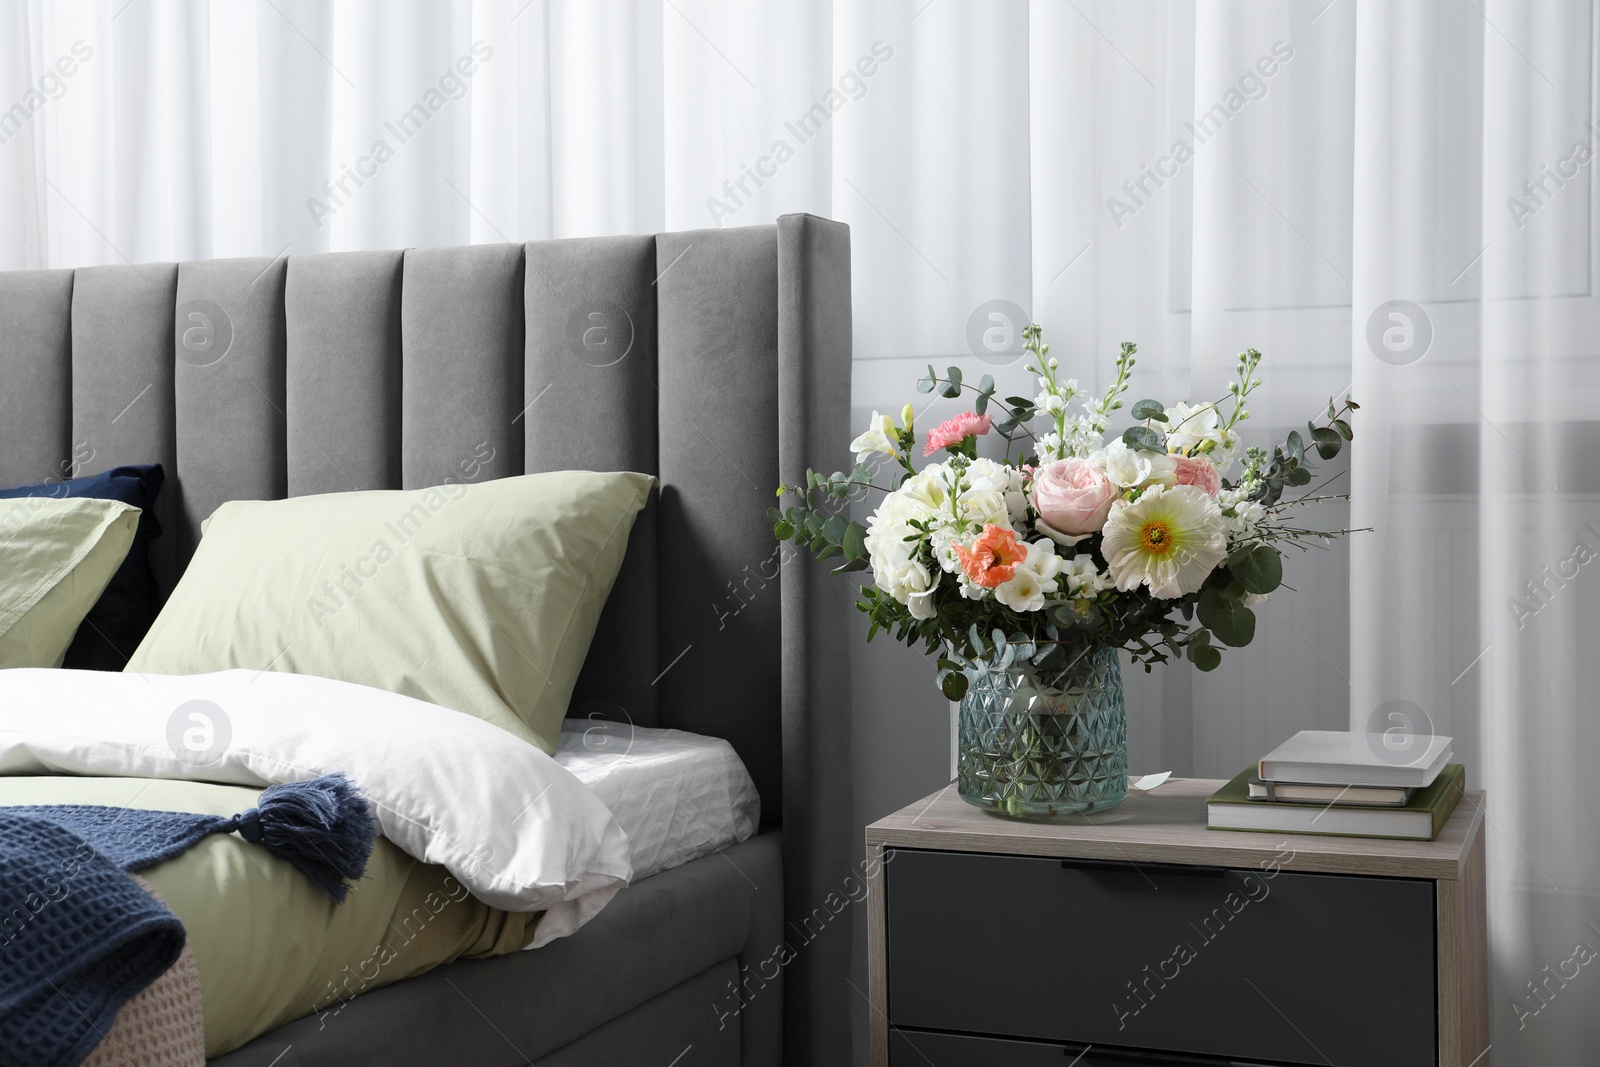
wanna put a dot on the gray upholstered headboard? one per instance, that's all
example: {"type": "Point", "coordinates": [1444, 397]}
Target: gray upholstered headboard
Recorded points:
{"type": "Point", "coordinates": [718, 360]}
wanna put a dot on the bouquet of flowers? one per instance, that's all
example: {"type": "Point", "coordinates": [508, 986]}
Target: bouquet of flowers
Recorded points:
{"type": "Point", "coordinates": [1161, 540]}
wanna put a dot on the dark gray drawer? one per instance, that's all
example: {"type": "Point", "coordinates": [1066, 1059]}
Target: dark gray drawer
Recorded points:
{"type": "Point", "coordinates": [1296, 968]}
{"type": "Point", "coordinates": [917, 1048]}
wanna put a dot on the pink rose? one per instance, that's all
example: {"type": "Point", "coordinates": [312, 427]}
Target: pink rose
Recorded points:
{"type": "Point", "coordinates": [1198, 472]}
{"type": "Point", "coordinates": [954, 431]}
{"type": "Point", "coordinates": [1073, 496]}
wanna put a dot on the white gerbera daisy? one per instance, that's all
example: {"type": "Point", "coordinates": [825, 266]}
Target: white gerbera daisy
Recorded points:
{"type": "Point", "coordinates": [1170, 539]}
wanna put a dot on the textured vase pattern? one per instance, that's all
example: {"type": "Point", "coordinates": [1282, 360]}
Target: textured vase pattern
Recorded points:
{"type": "Point", "coordinates": [1036, 743]}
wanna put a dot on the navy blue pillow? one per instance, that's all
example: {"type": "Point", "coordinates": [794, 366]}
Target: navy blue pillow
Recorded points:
{"type": "Point", "coordinates": [119, 619]}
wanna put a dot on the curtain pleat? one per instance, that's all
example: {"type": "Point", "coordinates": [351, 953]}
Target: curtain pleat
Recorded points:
{"type": "Point", "coordinates": [1392, 199]}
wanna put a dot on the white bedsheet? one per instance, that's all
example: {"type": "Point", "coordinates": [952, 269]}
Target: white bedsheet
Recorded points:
{"type": "Point", "coordinates": [677, 795]}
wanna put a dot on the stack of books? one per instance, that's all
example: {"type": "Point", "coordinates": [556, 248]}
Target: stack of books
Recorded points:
{"type": "Point", "coordinates": [1344, 785]}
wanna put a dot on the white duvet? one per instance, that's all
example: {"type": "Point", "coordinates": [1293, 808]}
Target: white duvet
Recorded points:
{"type": "Point", "coordinates": [518, 830]}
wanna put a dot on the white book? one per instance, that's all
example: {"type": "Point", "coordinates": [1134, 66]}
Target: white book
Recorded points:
{"type": "Point", "coordinates": [1339, 757]}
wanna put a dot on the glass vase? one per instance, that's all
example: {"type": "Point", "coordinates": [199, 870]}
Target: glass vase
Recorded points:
{"type": "Point", "coordinates": [1043, 742]}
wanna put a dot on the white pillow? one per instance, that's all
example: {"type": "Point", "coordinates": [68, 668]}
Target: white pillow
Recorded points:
{"type": "Point", "coordinates": [518, 830]}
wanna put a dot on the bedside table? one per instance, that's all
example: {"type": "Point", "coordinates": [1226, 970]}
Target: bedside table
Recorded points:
{"type": "Point", "coordinates": [1135, 936]}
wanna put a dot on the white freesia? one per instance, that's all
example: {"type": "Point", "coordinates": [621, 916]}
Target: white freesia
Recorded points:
{"type": "Point", "coordinates": [877, 438]}
{"type": "Point", "coordinates": [1170, 540]}
{"type": "Point", "coordinates": [1130, 468]}
{"type": "Point", "coordinates": [1024, 592]}
{"type": "Point", "coordinates": [1043, 562]}
{"type": "Point", "coordinates": [1190, 426]}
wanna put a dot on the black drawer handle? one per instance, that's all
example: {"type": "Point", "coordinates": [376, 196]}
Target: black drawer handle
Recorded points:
{"type": "Point", "coordinates": [1129, 867]}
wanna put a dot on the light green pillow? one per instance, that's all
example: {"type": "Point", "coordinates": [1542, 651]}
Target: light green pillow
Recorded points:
{"type": "Point", "coordinates": [482, 598]}
{"type": "Point", "coordinates": [56, 556]}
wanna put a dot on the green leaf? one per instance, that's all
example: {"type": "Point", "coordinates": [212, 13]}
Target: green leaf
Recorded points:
{"type": "Point", "coordinates": [1227, 618]}
{"type": "Point", "coordinates": [855, 542]}
{"type": "Point", "coordinates": [1207, 658]}
{"type": "Point", "coordinates": [1327, 441]}
{"type": "Point", "coordinates": [774, 514]}
{"type": "Point", "coordinates": [986, 384]}
{"type": "Point", "coordinates": [954, 685]}
{"type": "Point", "coordinates": [834, 529]}
{"type": "Point", "coordinates": [1298, 476]}
{"type": "Point", "coordinates": [782, 530]}
{"type": "Point", "coordinates": [1259, 568]}
{"type": "Point", "coordinates": [1142, 438]}
{"type": "Point", "coordinates": [1344, 429]}
{"type": "Point", "coordinates": [853, 565]}
{"type": "Point", "coordinates": [952, 387]}
{"type": "Point", "coordinates": [1149, 409]}
{"type": "Point", "coordinates": [1293, 447]}
{"type": "Point", "coordinates": [827, 552]}
{"type": "Point", "coordinates": [1019, 402]}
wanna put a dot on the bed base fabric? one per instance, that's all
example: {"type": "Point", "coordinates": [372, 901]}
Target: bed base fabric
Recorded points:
{"type": "Point", "coordinates": [668, 354]}
{"type": "Point", "coordinates": [673, 947]}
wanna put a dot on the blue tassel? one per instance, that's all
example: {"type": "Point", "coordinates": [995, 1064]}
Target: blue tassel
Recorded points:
{"type": "Point", "coordinates": [322, 827]}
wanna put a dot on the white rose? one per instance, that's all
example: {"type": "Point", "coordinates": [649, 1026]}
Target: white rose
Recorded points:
{"type": "Point", "coordinates": [987, 474]}
{"type": "Point", "coordinates": [1016, 505]}
{"type": "Point", "coordinates": [985, 506]}
{"type": "Point", "coordinates": [927, 488]}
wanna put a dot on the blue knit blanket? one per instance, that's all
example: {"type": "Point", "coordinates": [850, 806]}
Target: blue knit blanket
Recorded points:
{"type": "Point", "coordinates": [79, 937]}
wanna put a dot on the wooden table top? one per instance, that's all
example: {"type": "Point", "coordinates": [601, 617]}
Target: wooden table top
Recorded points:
{"type": "Point", "coordinates": [1168, 825]}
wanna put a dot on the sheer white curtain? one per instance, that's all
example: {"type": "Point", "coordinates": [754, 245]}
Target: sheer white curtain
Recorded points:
{"type": "Point", "coordinates": [1393, 198]}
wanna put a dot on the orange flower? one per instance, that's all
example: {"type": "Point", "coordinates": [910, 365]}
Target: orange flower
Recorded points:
{"type": "Point", "coordinates": [993, 558]}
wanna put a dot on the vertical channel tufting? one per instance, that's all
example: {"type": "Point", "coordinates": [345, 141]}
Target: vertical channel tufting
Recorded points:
{"type": "Point", "coordinates": [228, 385]}
{"type": "Point", "coordinates": [36, 365]}
{"type": "Point", "coordinates": [719, 619]}
{"type": "Point", "coordinates": [462, 353]}
{"type": "Point", "coordinates": [342, 392]}
{"type": "Point", "coordinates": [122, 386]}
{"type": "Point", "coordinates": [590, 404]}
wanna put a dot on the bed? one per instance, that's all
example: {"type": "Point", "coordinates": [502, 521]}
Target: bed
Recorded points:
{"type": "Point", "coordinates": [674, 355]}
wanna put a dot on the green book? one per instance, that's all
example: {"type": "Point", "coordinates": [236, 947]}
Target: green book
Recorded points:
{"type": "Point", "coordinates": [1230, 808]}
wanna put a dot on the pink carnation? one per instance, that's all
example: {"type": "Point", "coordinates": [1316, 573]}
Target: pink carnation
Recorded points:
{"type": "Point", "coordinates": [1198, 472]}
{"type": "Point", "coordinates": [954, 431]}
